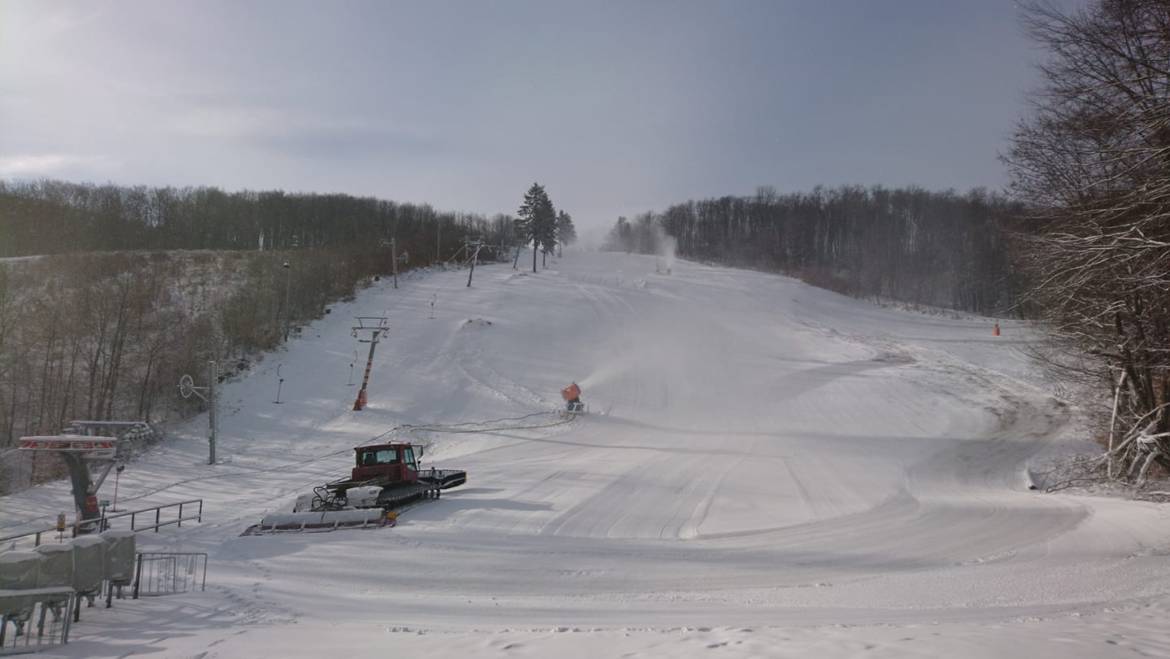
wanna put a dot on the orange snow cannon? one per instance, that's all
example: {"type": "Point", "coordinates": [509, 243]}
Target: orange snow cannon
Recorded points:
{"type": "Point", "coordinates": [571, 392]}
{"type": "Point", "coordinates": [572, 396]}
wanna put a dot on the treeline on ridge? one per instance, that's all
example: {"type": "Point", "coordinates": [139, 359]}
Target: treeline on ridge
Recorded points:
{"type": "Point", "coordinates": [930, 248]}
{"type": "Point", "coordinates": [54, 217]}
{"type": "Point", "coordinates": [126, 289]}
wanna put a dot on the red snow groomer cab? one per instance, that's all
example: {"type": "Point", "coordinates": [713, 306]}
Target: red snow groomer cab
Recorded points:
{"type": "Point", "coordinates": [394, 463]}
{"type": "Point", "coordinates": [393, 468]}
{"type": "Point", "coordinates": [384, 477]}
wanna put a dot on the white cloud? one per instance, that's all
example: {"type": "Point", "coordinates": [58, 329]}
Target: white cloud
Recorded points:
{"type": "Point", "coordinates": [46, 164]}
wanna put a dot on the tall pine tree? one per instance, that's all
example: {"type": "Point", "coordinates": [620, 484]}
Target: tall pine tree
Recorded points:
{"type": "Point", "coordinates": [548, 236]}
{"type": "Point", "coordinates": [566, 233]}
{"type": "Point", "coordinates": [537, 221]}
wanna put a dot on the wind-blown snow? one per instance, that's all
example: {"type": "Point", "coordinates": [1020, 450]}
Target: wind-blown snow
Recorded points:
{"type": "Point", "coordinates": [768, 470]}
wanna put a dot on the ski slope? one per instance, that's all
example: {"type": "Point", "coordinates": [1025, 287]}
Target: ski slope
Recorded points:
{"type": "Point", "coordinates": [768, 469]}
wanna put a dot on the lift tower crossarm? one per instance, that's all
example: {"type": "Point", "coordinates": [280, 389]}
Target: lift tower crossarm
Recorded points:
{"type": "Point", "coordinates": [80, 453]}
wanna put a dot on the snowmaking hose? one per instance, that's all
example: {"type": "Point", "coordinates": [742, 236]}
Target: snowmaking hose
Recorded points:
{"type": "Point", "coordinates": [478, 426]}
{"type": "Point", "coordinates": [445, 428]}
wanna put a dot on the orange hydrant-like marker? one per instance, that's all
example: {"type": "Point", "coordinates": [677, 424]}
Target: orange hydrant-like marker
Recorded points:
{"type": "Point", "coordinates": [995, 332]}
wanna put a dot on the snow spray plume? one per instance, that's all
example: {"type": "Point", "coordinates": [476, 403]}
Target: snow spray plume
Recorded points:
{"type": "Point", "coordinates": [666, 245]}
{"type": "Point", "coordinates": [602, 375]}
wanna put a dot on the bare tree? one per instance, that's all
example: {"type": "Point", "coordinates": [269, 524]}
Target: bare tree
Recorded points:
{"type": "Point", "coordinates": [1093, 161]}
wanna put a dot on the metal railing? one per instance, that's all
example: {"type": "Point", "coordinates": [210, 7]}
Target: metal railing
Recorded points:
{"type": "Point", "coordinates": [35, 620]}
{"type": "Point", "coordinates": [157, 510]}
{"type": "Point", "coordinates": [166, 573]}
{"type": "Point", "coordinates": [104, 523]}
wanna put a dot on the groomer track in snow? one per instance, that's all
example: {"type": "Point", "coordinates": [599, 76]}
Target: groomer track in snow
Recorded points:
{"type": "Point", "coordinates": [762, 459]}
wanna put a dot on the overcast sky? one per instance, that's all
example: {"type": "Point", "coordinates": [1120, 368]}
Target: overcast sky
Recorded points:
{"type": "Point", "coordinates": [617, 107]}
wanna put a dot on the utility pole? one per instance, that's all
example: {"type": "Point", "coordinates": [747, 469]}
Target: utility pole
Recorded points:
{"type": "Point", "coordinates": [376, 326]}
{"type": "Point", "coordinates": [474, 257]}
{"type": "Point", "coordinates": [438, 240]}
{"type": "Point", "coordinates": [394, 258]}
{"type": "Point", "coordinates": [187, 387]}
{"type": "Point", "coordinates": [117, 475]}
{"type": "Point", "coordinates": [212, 376]}
{"type": "Point", "coordinates": [287, 289]}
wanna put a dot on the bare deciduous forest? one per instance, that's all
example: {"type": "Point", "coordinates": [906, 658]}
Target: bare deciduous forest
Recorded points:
{"type": "Point", "coordinates": [939, 249]}
{"type": "Point", "coordinates": [1091, 164]}
{"type": "Point", "coordinates": [87, 332]}
{"type": "Point", "coordinates": [55, 217]}
{"type": "Point", "coordinates": [1082, 242]}
{"type": "Point", "coordinates": [94, 325]}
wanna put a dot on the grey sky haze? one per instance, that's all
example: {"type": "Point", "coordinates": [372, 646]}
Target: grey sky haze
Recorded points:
{"type": "Point", "coordinates": [617, 107]}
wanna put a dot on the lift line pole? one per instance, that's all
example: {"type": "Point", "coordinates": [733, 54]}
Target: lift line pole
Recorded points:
{"type": "Point", "coordinates": [394, 259]}
{"type": "Point", "coordinates": [212, 376]}
{"type": "Point", "coordinates": [376, 326]}
{"type": "Point", "coordinates": [474, 257]}
{"type": "Point", "coordinates": [207, 394]}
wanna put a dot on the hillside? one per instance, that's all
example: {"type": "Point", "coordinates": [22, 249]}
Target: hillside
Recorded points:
{"type": "Point", "coordinates": [768, 469]}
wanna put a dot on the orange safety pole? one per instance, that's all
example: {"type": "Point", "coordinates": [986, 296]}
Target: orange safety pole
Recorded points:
{"type": "Point", "coordinates": [360, 403]}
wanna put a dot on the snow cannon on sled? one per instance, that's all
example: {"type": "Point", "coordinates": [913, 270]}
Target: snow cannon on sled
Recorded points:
{"type": "Point", "coordinates": [572, 396]}
{"type": "Point", "coordinates": [384, 477]}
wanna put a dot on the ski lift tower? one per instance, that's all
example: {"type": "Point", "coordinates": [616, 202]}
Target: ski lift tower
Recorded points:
{"type": "Point", "coordinates": [89, 460]}
{"type": "Point", "coordinates": [187, 388]}
{"type": "Point", "coordinates": [472, 247]}
{"type": "Point", "coordinates": [376, 326]}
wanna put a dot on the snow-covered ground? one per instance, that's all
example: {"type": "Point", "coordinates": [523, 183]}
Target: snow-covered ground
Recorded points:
{"type": "Point", "coordinates": [768, 470]}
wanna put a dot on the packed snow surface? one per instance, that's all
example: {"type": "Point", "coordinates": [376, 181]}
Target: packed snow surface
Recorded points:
{"type": "Point", "coordinates": [766, 469]}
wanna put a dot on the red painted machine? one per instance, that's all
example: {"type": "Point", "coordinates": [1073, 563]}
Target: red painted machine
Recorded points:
{"type": "Point", "coordinates": [384, 477]}
{"type": "Point", "coordinates": [572, 396]}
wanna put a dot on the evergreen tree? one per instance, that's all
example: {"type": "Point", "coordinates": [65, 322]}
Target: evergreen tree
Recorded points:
{"type": "Point", "coordinates": [566, 233]}
{"type": "Point", "coordinates": [537, 221]}
{"type": "Point", "coordinates": [548, 235]}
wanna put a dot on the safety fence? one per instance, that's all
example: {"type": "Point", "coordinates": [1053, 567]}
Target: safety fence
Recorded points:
{"type": "Point", "coordinates": [167, 573]}
{"type": "Point", "coordinates": [35, 620]}
{"type": "Point", "coordinates": [159, 522]}
{"type": "Point", "coordinates": [145, 519]}
{"type": "Point", "coordinates": [42, 590]}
